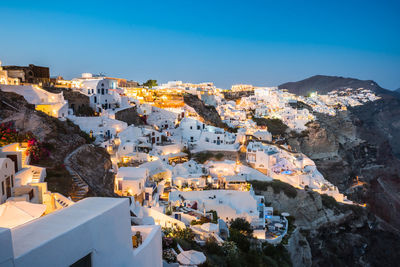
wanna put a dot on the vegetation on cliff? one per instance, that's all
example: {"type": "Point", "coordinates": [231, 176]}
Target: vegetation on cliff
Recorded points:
{"type": "Point", "coordinates": [275, 126]}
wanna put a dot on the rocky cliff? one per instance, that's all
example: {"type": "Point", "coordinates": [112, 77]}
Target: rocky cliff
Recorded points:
{"type": "Point", "coordinates": [237, 95]}
{"type": "Point", "coordinates": [208, 113]}
{"type": "Point", "coordinates": [359, 143]}
{"type": "Point", "coordinates": [331, 234]}
{"type": "Point", "coordinates": [130, 116]}
{"type": "Point", "coordinates": [93, 165]}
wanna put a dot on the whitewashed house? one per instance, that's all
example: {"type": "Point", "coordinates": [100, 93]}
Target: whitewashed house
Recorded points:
{"type": "Point", "coordinates": [50, 103]}
{"type": "Point", "coordinates": [261, 156]}
{"type": "Point", "coordinates": [131, 181]}
{"type": "Point", "coordinates": [94, 232]}
{"type": "Point", "coordinates": [7, 179]}
{"type": "Point", "coordinates": [100, 127]}
{"type": "Point", "coordinates": [263, 135]}
{"type": "Point", "coordinates": [102, 92]}
{"type": "Point", "coordinates": [189, 174]}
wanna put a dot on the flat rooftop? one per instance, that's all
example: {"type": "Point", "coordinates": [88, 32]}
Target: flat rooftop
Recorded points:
{"type": "Point", "coordinates": [28, 236]}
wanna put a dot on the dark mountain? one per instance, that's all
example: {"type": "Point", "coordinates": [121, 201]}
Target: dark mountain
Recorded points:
{"type": "Point", "coordinates": [397, 90]}
{"type": "Point", "coordinates": [324, 84]}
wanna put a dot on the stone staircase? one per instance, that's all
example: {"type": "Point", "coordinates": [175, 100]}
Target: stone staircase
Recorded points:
{"type": "Point", "coordinates": [62, 203]}
{"type": "Point", "coordinates": [36, 177]}
{"type": "Point", "coordinates": [24, 156]}
{"type": "Point", "coordinates": [79, 188]}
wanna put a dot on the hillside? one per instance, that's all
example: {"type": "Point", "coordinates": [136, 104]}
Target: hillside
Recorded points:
{"type": "Point", "coordinates": [324, 84]}
{"type": "Point", "coordinates": [208, 113]}
{"type": "Point", "coordinates": [60, 138]}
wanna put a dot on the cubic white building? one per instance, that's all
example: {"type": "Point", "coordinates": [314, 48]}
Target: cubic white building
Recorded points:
{"type": "Point", "coordinates": [94, 232]}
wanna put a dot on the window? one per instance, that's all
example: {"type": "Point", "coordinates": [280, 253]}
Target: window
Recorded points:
{"type": "Point", "coordinates": [140, 185]}
{"type": "Point", "coordinates": [98, 91]}
{"type": "Point", "coordinates": [95, 99]}
{"type": "Point", "coordinates": [191, 127]}
{"type": "Point", "coordinates": [12, 180]}
{"type": "Point", "coordinates": [83, 262]}
{"type": "Point", "coordinates": [2, 188]}
{"type": "Point", "coordinates": [88, 91]}
{"type": "Point", "coordinates": [198, 127]}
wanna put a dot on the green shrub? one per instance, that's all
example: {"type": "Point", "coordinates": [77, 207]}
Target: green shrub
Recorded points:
{"type": "Point", "coordinates": [329, 202]}
{"type": "Point", "coordinates": [203, 156]}
{"type": "Point", "coordinates": [241, 225]}
{"type": "Point", "coordinates": [275, 126]}
{"type": "Point", "coordinates": [219, 156]}
{"type": "Point", "coordinates": [241, 241]}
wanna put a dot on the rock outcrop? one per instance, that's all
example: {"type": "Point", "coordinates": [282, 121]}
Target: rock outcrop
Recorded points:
{"type": "Point", "coordinates": [333, 234]}
{"type": "Point", "coordinates": [93, 165]}
{"type": "Point", "coordinates": [237, 95]}
{"type": "Point", "coordinates": [130, 116]}
{"type": "Point", "coordinates": [208, 113]}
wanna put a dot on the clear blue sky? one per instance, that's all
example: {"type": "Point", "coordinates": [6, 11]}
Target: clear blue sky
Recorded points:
{"type": "Point", "coordinates": [259, 42]}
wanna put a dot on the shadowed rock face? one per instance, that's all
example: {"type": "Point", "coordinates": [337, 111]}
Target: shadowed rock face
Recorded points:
{"type": "Point", "coordinates": [341, 235]}
{"type": "Point", "coordinates": [365, 142]}
{"type": "Point", "coordinates": [237, 95]}
{"type": "Point", "coordinates": [208, 113]}
{"type": "Point", "coordinates": [130, 116]}
{"type": "Point", "coordinates": [93, 164]}
{"type": "Point", "coordinates": [355, 143]}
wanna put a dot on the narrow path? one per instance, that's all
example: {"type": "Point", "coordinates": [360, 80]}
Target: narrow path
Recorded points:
{"type": "Point", "coordinates": [79, 187]}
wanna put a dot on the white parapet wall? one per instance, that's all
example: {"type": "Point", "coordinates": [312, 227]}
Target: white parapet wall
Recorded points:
{"type": "Point", "coordinates": [98, 227]}
{"type": "Point", "coordinates": [149, 253]}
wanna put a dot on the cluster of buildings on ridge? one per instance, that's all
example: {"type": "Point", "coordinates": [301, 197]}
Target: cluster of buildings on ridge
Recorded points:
{"type": "Point", "coordinates": [162, 185]}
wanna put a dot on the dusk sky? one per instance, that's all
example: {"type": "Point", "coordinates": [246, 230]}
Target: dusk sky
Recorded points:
{"type": "Point", "coordinates": [226, 42]}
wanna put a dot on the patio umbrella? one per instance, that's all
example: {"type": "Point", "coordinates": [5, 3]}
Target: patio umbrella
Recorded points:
{"type": "Point", "coordinates": [209, 227]}
{"type": "Point", "coordinates": [14, 213]}
{"type": "Point", "coordinates": [191, 257]}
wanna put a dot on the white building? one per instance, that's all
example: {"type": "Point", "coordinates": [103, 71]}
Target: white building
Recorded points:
{"type": "Point", "coordinates": [206, 137]}
{"type": "Point", "coordinates": [229, 204]}
{"type": "Point", "coordinates": [94, 232]}
{"type": "Point", "coordinates": [7, 179]}
{"type": "Point", "coordinates": [50, 103]}
{"type": "Point", "coordinates": [263, 135]}
{"type": "Point", "coordinates": [21, 181]}
{"type": "Point", "coordinates": [131, 180]}
{"type": "Point", "coordinates": [261, 156]}
{"type": "Point", "coordinates": [101, 127]}
{"type": "Point", "coordinates": [102, 92]}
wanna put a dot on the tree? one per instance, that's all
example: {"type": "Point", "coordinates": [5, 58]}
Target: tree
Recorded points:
{"type": "Point", "coordinates": [150, 83]}
{"type": "Point", "coordinates": [241, 225]}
